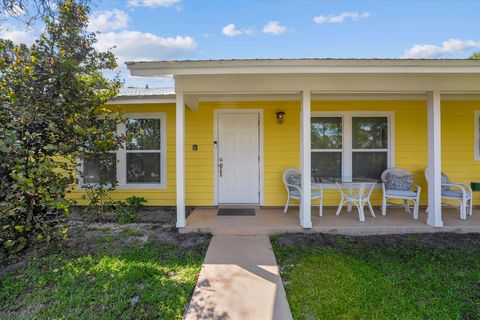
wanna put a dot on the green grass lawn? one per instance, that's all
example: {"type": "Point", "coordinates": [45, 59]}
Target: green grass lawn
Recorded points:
{"type": "Point", "coordinates": [383, 277]}
{"type": "Point", "coordinates": [113, 279]}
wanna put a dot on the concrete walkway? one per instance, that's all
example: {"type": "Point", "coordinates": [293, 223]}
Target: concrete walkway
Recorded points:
{"type": "Point", "coordinates": [239, 280]}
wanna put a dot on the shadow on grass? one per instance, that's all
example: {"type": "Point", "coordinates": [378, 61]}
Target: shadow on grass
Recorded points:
{"type": "Point", "coordinates": [141, 281]}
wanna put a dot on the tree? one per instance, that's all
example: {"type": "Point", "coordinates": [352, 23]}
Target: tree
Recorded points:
{"type": "Point", "coordinates": [52, 96]}
{"type": "Point", "coordinates": [29, 11]}
{"type": "Point", "coordinates": [475, 56]}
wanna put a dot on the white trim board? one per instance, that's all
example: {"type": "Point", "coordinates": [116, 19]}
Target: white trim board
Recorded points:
{"type": "Point", "coordinates": [338, 96]}
{"type": "Point", "coordinates": [216, 112]}
{"type": "Point", "coordinates": [282, 66]}
{"type": "Point", "coordinates": [476, 147]}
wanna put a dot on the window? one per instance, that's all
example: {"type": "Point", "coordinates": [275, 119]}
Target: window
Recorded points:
{"type": "Point", "coordinates": [327, 147]}
{"type": "Point", "coordinates": [350, 145]}
{"type": "Point", "coordinates": [96, 169]}
{"type": "Point", "coordinates": [143, 151]}
{"type": "Point", "coordinates": [141, 163]}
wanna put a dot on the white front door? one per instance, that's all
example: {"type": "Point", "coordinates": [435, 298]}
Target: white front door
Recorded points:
{"type": "Point", "coordinates": [238, 158]}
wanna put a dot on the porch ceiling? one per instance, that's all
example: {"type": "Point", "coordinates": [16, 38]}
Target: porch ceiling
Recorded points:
{"type": "Point", "coordinates": [328, 83]}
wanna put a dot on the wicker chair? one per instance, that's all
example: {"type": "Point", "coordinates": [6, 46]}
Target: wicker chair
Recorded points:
{"type": "Point", "coordinates": [292, 179]}
{"type": "Point", "coordinates": [457, 192]}
{"type": "Point", "coordinates": [413, 194]}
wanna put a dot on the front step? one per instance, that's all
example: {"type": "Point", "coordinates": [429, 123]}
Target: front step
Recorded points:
{"type": "Point", "coordinates": [240, 231]}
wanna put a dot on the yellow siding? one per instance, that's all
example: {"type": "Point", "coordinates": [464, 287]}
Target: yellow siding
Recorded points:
{"type": "Point", "coordinates": [458, 142]}
{"type": "Point", "coordinates": [282, 150]}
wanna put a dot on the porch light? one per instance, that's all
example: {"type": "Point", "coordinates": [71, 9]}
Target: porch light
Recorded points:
{"type": "Point", "coordinates": [280, 116]}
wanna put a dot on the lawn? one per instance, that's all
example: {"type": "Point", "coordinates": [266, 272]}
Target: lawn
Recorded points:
{"type": "Point", "coordinates": [381, 277]}
{"type": "Point", "coordinates": [110, 275]}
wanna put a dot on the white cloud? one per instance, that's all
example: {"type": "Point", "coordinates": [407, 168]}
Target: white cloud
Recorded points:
{"type": "Point", "coordinates": [153, 3]}
{"type": "Point", "coordinates": [135, 45]}
{"type": "Point", "coordinates": [449, 47]}
{"type": "Point", "coordinates": [249, 31]}
{"type": "Point", "coordinates": [108, 20]}
{"type": "Point", "coordinates": [230, 30]}
{"type": "Point", "coordinates": [341, 18]}
{"type": "Point", "coordinates": [208, 35]}
{"type": "Point", "coordinates": [17, 35]}
{"type": "Point", "coordinates": [274, 28]}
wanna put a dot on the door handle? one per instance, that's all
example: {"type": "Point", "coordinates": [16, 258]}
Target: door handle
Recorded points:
{"type": "Point", "coordinates": [220, 166]}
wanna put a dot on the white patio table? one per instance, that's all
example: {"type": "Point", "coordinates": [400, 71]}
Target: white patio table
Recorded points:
{"type": "Point", "coordinates": [354, 191]}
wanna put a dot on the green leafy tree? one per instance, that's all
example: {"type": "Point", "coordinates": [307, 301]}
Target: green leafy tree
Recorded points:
{"type": "Point", "coordinates": [475, 56]}
{"type": "Point", "coordinates": [52, 96]}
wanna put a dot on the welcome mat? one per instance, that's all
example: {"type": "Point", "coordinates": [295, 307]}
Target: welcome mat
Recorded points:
{"type": "Point", "coordinates": [236, 212]}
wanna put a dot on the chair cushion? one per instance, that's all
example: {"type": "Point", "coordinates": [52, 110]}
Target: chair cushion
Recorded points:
{"type": "Point", "coordinates": [295, 193]}
{"type": "Point", "coordinates": [296, 180]}
{"type": "Point", "coordinates": [453, 193]}
{"type": "Point", "coordinates": [401, 193]}
{"type": "Point", "coordinates": [397, 182]}
{"type": "Point", "coordinates": [445, 180]}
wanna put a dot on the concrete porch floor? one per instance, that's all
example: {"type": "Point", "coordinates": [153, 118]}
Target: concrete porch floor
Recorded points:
{"type": "Point", "coordinates": [269, 221]}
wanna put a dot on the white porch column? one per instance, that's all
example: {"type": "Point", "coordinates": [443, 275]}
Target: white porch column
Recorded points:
{"type": "Point", "coordinates": [305, 161]}
{"type": "Point", "coordinates": [180, 158]}
{"type": "Point", "coordinates": [434, 160]}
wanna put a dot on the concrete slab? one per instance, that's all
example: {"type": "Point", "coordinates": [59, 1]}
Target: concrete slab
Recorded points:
{"type": "Point", "coordinates": [239, 280]}
{"type": "Point", "coordinates": [268, 221]}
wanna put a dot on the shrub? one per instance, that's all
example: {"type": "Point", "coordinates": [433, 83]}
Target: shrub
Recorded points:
{"type": "Point", "coordinates": [127, 211]}
{"type": "Point", "coordinates": [52, 95]}
{"type": "Point", "coordinates": [100, 203]}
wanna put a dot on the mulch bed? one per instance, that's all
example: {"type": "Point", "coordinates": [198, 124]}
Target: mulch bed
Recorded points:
{"type": "Point", "coordinates": [440, 240]}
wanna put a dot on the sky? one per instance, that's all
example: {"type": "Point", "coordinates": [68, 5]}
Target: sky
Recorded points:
{"type": "Point", "coordinates": [225, 29]}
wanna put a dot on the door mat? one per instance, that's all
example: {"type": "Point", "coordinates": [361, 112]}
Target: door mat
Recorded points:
{"type": "Point", "coordinates": [236, 212]}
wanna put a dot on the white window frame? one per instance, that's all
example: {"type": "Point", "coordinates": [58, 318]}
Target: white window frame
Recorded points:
{"type": "Point", "coordinates": [476, 147]}
{"type": "Point", "coordinates": [332, 115]}
{"type": "Point", "coordinates": [121, 167]}
{"type": "Point", "coordinates": [347, 135]}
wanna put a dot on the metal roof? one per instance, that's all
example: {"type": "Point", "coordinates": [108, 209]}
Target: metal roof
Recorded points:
{"type": "Point", "coordinates": [142, 92]}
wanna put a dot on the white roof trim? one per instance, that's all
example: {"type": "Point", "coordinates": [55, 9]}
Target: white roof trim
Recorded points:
{"type": "Point", "coordinates": [299, 66]}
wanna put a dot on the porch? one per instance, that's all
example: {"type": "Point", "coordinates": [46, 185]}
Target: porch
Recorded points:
{"type": "Point", "coordinates": [410, 97]}
{"type": "Point", "coordinates": [268, 221]}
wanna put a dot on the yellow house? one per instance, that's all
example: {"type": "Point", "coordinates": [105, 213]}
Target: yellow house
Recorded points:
{"type": "Point", "coordinates": [230, 128]}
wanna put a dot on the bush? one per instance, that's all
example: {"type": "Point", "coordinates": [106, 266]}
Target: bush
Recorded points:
{"type": "Point", "coordinates": [100, 203]}
{"type": "Point", "coordinates": [127, 211]}
{"type": "Point", "coordinates": [52, 96]}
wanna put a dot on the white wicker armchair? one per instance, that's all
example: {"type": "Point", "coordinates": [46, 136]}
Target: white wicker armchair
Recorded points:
{"type": "Point", "coordinates": [458, 192]}
{"type": "Point", "coordinates": [292, 181]}
{"type": "Point", "coordinates": [413, 194]}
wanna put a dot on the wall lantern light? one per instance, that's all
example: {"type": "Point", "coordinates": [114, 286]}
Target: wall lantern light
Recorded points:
{"type": "Point", "coordinates": [280, 116]}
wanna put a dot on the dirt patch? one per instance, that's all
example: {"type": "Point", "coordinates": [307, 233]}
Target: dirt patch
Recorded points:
{"type": "Point", "coordinates": [144, 232]}
{"type": "Point", "coordinates": [459, 241]}
{"type": "Point", "coordinates": [162, 215]}
{"type": "Point", "coordinates": [89, 238]}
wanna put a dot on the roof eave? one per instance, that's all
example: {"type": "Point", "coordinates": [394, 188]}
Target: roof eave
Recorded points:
{"type": "Point", "coordinates": [302, 66]}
